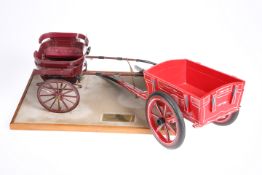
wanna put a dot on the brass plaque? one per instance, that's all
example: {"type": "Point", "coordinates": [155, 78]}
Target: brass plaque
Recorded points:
{"type": "Point", "coordinates": [118, 118]}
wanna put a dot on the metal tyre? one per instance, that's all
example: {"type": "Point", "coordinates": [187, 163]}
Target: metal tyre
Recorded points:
{"type": "Point", "coordinates": [165, 120]}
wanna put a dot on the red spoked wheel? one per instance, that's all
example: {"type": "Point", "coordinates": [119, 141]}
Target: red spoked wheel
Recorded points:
{"type": "Point", "coordinates": [227, 120]}
{"type": "Point", "coordinates": [58, 95]}
{"type": "Point", "coordinates": [165, 120]}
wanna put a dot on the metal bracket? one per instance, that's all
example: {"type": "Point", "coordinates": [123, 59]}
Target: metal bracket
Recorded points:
{"type": "Point", "coordinates": [213, 103]}
{"type": "Point", "coordinates": [186, 99]}
{"type": "Point", "coordinates": [154, 85]}
{"type": "Point", "coordinates": [234, 92]}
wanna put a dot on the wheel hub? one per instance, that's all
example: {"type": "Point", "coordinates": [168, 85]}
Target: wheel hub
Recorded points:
{"type": "Point", "coordinates": [160, 121]}
{"type": "Point", "coordinates": [58, 95]}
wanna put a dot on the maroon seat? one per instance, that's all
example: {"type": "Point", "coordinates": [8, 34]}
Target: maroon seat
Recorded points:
{"type": "Point", "coordinates": [63, 52]}
{"type": "Point", "coordinates": [60, 55]}
{"type": "Point", "coordinates": [64, 48]}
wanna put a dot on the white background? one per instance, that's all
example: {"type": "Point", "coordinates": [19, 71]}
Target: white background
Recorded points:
{"type": "Point", "coordinates": [224, 34]}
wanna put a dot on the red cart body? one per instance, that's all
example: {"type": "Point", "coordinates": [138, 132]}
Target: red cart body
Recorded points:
{"type": "Point", "coordinates": [202, 94]}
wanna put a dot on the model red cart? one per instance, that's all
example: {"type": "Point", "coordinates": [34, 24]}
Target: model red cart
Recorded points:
{"type": "Point", "coordinates": [176, 89]}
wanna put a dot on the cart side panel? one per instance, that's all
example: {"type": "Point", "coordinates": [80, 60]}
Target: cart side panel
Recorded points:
{"type": "Point", "coordinates": [172, 72]}
{"type": "Point", "coordinates": [189, 105]}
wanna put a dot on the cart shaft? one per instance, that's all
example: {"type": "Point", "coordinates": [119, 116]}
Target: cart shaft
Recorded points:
{"type": "Point", "coordinates": [138, 92]}
{"type": "Point", "coordinates": [110, 73]}
{"type": "Point", "coordinates": [120, 58]}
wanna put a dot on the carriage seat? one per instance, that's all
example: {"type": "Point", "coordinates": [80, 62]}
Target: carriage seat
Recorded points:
{"type": "Point", "coordinates": [63, 52]}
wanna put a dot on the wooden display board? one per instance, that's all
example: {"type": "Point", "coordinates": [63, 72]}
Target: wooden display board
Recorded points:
{"type": "Point", "coordinates": [103, 107]}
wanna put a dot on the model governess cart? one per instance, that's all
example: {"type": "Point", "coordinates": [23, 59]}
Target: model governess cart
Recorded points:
{"type": "Point", "coordinates": [176, 89]}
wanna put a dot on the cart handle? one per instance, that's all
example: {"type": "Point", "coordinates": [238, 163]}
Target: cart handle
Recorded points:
{"type": "Point", "coordinates": [120, 58]}
{"type": "Point", "coordinates": [63, 35]}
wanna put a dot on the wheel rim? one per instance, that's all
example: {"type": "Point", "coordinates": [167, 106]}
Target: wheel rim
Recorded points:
{"type": "Point", "coordinates": [163, 121]}
{"type": "Point", "coordinates": [58, 96]}
{"type": "Point", "coordinates": [224, 119]}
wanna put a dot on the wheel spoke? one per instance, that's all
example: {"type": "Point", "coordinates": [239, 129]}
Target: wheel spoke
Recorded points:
{"type": "Point", "coordinates": [57, 86]}
{"type": "Point", "coordinates": [171, 129]}
{"type": "Point", "coordinates": [164, 112]}
{"type": "Point", "coordinates": [46, 89]}
{"type": "Point", "coordinates": [158, 109]}
{"type": "Point", "coordinates": [64, 87]}
{"type": "Point", "coordinates": [159, 128]}
{"type": "Point", "coordinates": [69, 100]}
{"type": "Point", "coordinates": [58, 103]}
{"type": "Point", "coordinates": [70, 90]}
{"type": "Point", "coordinates": [44, 95]}
{"type": "Point", "coordinates": [50, 86]}
{"type": "Point", "coordinates": [71, 96]}
{"type": "Point", "coordinates": [49, 99]}
{"type": "Point", "coordinates": [167, 134]}
{"type": "Point", "coordinates": [154, 115]}
{"type": "Point", "coordinates": [64, 104]}
{"type": "Point", "coordinates": [170, 119]}
{"type": "Point", "coordinates": [53, 103]}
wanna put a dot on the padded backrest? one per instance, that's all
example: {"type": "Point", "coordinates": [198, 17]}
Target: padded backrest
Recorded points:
{"type": "Point", "coordinates": [62, 48]}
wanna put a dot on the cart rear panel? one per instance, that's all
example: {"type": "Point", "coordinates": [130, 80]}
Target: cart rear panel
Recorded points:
{"type": "Point", "coordinates": [203, 94]}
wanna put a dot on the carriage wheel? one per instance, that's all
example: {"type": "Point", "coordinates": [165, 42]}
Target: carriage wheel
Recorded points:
{"type": "Point", "coordinates": [227, 120]}
{"type": "Point", "coordinates": [58, 95]}
{"type": "Point", "coordinates": [165, 120]}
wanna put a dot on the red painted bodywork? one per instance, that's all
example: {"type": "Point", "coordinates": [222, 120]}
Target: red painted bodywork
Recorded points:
{"type": "Point", "coordinates": [202, 94]}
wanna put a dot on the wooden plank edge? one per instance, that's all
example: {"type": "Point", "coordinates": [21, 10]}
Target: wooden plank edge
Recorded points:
{"type": "Point", "coordinates": [81, 128]}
